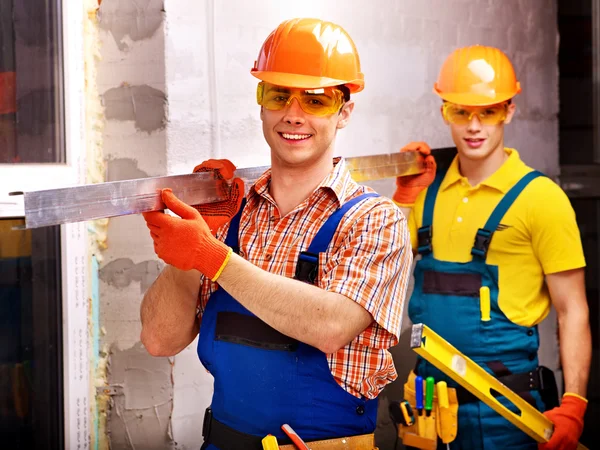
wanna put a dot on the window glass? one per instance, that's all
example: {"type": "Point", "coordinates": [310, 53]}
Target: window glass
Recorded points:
{"type": "Point", "coordinates": [31, 128]}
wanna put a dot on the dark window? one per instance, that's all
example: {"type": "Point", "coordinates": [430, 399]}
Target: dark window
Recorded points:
{"type": "Point", "coordinates": [31, 106]}
{"type": "Point", "coordinates": [31, 335]}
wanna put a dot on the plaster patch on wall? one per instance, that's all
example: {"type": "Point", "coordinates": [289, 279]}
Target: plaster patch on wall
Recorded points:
{"type": "Point", "coordinates": [124, 169]}
{"type": "Point", "coordinates": [142, 401]}
{"type": "Point", "coordinates": [142, 104]}
{"type": "Point", "coordinates": [122, 271]}
{"type": "Point", "coordinates": [135, 19]}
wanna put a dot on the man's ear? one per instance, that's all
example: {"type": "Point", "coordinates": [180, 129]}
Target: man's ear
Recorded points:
{"type": "Point", "coordinates": [344, 114]}
{"type": "Point", "coordinates": [262, 114]}
{"type": "Point", "coordinates": [510, 113]}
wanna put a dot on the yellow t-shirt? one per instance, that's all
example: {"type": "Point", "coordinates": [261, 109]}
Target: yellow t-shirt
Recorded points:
{"type": "Point", "coordinates": [537, 236]}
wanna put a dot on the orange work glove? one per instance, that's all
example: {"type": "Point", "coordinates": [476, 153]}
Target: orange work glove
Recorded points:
{"type": "Point", "coordinates": [219, 213]}
{"type": "Point", "coordinates": [568, 423]}
{"type": "Point", "coordinates": [408, 187]}
{"type": "Point", "coordinates": [186, 242]}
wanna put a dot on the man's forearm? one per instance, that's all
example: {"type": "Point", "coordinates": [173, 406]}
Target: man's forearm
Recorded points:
{"type": "Point", "coordinates": [567, 290]}
{"type": "Point", "coordinates": [325, 320]}
{"type": "Point", "coordinates": [168, 312]}
{"type": "Point", "coordinates": [575, 351]}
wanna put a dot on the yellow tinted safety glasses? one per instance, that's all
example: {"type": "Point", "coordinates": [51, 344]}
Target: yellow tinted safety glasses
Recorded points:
{"type": "Point", "coordinates": [318, 102]}
{"type": "Point", "coordinates": [487, 115]}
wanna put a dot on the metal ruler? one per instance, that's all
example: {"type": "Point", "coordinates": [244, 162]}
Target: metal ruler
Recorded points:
{"type": "Point", "coordinates": [470, 375]}
{"type": "Point", "coordinates": [118, 198]}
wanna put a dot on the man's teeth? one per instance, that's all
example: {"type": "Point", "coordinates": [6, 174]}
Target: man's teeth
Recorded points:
{"type": "Point", "coordinates": [295, 136]}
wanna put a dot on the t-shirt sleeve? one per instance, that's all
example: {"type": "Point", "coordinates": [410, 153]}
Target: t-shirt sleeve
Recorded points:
{"type": "Point", "coordinates": [556, 238]}
{"type": "Point", "coordinates": [371, 265]}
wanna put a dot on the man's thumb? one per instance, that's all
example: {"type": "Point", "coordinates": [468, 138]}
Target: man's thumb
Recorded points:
{"type": "Point", "coordinates": [177, 206]}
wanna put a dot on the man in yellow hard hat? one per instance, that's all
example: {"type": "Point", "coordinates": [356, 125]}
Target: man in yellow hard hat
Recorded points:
{"type": "Point", "coordinates": [296, 289]}
{"type": "Point", "coordinates": [498, 245]}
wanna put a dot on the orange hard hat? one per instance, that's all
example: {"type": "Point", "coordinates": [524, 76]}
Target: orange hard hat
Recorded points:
{"type": "Point", "coordinates": [309, 53]}
{"type": "Point", "coordinates": [477, 76]}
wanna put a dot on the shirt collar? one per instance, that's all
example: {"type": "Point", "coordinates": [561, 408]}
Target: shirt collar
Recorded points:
{"type": "Point", "coordinates": [502, 179]}
{"type": "Point", "coordinates": [337, 181]}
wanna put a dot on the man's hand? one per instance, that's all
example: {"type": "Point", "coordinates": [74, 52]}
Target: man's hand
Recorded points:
{"type": "Point", "coordinates": [568, 423]}
{"type": "Point", "coordinates": [186, 242]}
{"type": "Point", "coordinates": [219, 213]}
{"type": "Point", "coordinates": [408, 187]}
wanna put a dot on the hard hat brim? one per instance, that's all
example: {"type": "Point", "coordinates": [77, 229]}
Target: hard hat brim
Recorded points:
{"type": "Point", "coordinates": [473, 99]}
{"type": "Point", "coordinates": [306, 81]}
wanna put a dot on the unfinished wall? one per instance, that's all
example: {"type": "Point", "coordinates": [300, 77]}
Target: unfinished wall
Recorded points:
{"type": "Point", "coordinates": [131, 83]}
{"type": "Point", "coordinates": [197, 55]}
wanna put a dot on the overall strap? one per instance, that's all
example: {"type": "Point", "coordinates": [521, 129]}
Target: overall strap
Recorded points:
{"type": "Point", "coordinates": [232, 239]}
{"type": "Point", "coordinates": [484, 235]}
{"type": "Point", "coordinates": [424, 233]}
{"type": "Point", "coordinates": [308, 261]}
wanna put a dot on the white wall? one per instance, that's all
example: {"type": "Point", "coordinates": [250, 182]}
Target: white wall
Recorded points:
{"type": "Point", "coordinates": [209, 47]}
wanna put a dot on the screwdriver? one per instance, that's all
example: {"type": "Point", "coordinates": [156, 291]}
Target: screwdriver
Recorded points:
{"type": "Point", "coordinates": [419, 404]}
{"type": "Point", "coordinates": [429, 423]}
{"type": "Point", "coordinates": [429, 384]}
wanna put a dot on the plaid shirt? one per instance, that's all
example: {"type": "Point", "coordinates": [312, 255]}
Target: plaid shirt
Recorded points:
{"type": "Point", "coordinates": [368, 262]}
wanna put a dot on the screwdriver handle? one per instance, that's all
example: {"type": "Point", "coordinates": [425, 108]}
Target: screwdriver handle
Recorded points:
{"type": "Point", "coordinates": [429, 385]}
{"type": "Point", "coordinates": [419, 393]}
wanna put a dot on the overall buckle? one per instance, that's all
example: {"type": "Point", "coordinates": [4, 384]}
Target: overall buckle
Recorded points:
{"type": "Point", "coordinates": [424, 240]}
{"type": "Point", "coordinates": [482, 243]}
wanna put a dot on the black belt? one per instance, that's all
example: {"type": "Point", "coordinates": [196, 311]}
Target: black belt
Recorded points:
{"type": "Point", "coordinates": [519, 383]}
{"type": "Point", "coordinates": [227, 438]}
{"type": "Point", "coordinates": [540, 379]}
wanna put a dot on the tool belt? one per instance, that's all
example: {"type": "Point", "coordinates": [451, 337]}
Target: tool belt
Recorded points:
{"type": "Point", "coordinates": [423, 433]}
{"type": "Point", "coordinates": [227, 438]}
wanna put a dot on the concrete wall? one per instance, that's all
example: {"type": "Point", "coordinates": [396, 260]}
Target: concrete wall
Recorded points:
{"type": "Point", "coordinates": [197, 55]}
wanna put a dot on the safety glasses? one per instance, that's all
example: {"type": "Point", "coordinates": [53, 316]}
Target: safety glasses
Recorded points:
{"type": "Point", "coordinates": [487, 115]}
{"type": "Point", "coordinates": [318, 102]}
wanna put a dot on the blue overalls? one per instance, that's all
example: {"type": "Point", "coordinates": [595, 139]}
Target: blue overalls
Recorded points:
{"type": "Point", "coordinates": [446, 299]}
{"type": "Point", "coordinates": [264, 379]}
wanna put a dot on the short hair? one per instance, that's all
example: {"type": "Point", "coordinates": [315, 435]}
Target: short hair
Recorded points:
{"type": "Point", "coordinates": [345, 90]}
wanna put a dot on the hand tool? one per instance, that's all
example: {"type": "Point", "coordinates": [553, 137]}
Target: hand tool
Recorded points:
{"type": "Point", "coordinates": [419, 404]}
{"type": "Point", "coordinates": [296, 440]}
{"type": "Point", "coordinates": [470, 375]}
{"type": "Point", "coordinates": [429, 385]}
{"type": "Point", "coordinates": [484, 303]}
{"type": "Point", "coordinates": [429, 422]}
{"type": "Point", "coordinates": [401, 413]}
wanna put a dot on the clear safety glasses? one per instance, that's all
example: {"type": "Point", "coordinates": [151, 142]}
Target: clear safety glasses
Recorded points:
{"type": "Point", "coordinates": [318, 102]}
{"type": "Point", "coordinates": [487, 115]}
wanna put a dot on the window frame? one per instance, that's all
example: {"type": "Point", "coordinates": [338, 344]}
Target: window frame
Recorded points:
{"type": "Point", "coordinates": [74, 250]}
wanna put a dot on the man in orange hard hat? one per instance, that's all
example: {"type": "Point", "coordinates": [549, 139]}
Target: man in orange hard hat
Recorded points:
{"type": "Point", "coordinates": [498, 245]}
{"type": "Point", "coordinates": [296, 289]}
